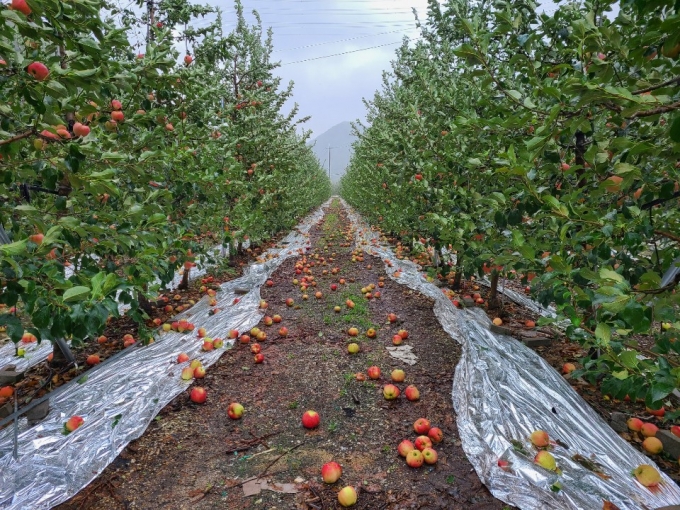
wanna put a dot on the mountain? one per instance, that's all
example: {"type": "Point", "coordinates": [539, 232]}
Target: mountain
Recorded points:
{"type": "Point", "coordinates": [340, 140]}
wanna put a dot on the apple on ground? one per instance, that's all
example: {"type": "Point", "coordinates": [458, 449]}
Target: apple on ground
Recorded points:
{"type": "Point", "coordinates": [411, 393]}
{"type": "Point", "coordinates": [647, 475]}
{"type": "Point", "coordinates": [102, 339]}
{"type": "Point", "coordinates": [398, 375]}
{"type": "Point", "coordinates": [199, 372]}
{"type": "Point", "coordinates": [261, 336]}
{"type": "Point", "coordinates": [546, 460]}
{"type": "Point", "coordinates": [233, 334]}
{"type": "Point", "coordinates": [649, 430]}
{"type": "Point", "coordinates": [73, 423]}
{"type": "Point", "coordinates": [390, 392]}
{"type": "Point", "coordinates": [290, 302]}
{"type": "Point", "coordinates": [92, 359]}
{"type": "Point", "coordinates": [268, 321]}
{"type": "Point", "coordinates": [540, 438]}
{"type": "Point", "coordinates": [422, 426]}
{"type": "Point", "coordinates": [208, 345]}
{"type": "Point", "coordinates": [414, 458]}
{"type": "Point", "coordinates": [371, 333]}
{"type": "Point", "coordinates": [657, 412]}
{"type": "Point", "coordinates": [652, 445]}
{"type": "Point", "coordinates": [373, 372]}
{"type": "Point", "coordinates": [404, 447]}
{"type": "Point", "coordinates": [202, 332]}
{"type": "Point", "coordinates": [423, 442]}
{"type": "Point", "coordinates": [255, 348]}
{"type": "Point", "coordinates": [635, 424]}
{"type": "Point", "coordinates": [198, 395]}
{"type": "Point", "coordinates": [435, 434]}
{"type": "Point", "coordinates": [187, 373]}
{"type": "Point", "coordinates": [245, 339]}
{"type": "Point", "coordinates": [675, 430]}
{"type": "Point", "coordinates": [497, 321]}
{"type": "Point", "coordinates": [397, 340]}
{"type": "Point", "coordinates": [283, 331]}
{"type": "Point", "coordinates": [259, 358]}
{"type": "Point", "coordinates": [277, 319]}
{"type": "Point", "coordinates": [218, 343]}
{"type": "Point", "coordinates": [331, 472]}
{"type": "Point", "coordinates": [429, 456]}
{"type": "Point", "coordinates": [182, 357]}
{"type": "Point", "coordinates": [195, 363]}
{"type": "Point", "coordinates": [352, 331]}
{"type": "Point", "coordinates": [337, 309]}
{"type": "Point", "coordinates": [235, 411]}
{"type": "Point", "coordinates": [347, 496]}
{"type": "Point", "coordinates": [403, 333]}
{"type": "Point", "coordinates": [568, 368]}
{"type": "Point", "coordinates": [310, 419]}
{"type": "Point", "coordinates": [353, 348]}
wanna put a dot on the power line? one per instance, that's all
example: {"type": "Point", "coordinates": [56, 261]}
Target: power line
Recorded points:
{"type": "Point", "coordinates": [346, 52]}
{"type": "Point", "coordinates": [341, 40]}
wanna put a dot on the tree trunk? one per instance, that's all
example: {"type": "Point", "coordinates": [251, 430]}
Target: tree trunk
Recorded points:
{"type": "Point", "coordinates": [61, 354]}
{"type": "Point", "coordinates": [184, 284]}
{"type": "Point", "coordinates": [494, 303]}
{"type": "Point", "coordinates": [459, 273]}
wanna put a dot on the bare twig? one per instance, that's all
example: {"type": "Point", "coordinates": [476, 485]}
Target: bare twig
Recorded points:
{"type": "Point", "coordinates": [21, 136]}
{"type": "Point", "coordinates": [279, 458]}
{"type": "Point", "coordinates": [672, 81]}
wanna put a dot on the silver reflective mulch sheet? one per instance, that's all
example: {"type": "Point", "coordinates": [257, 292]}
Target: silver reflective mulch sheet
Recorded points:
{"type": "Point", "coordinates": [503, 391]}
{"type": "Point", "coordinates": [119, 399]}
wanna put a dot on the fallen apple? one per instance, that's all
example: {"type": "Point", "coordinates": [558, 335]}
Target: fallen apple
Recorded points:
{"type": "Point", "coordinates": [435, 434]}
{"type": "Point", "coordinates": [198, 395]}
{"type": "Point", "coordinates": [199, 372]}
{"type": "Point", "coordinates": [331, 472]}
{"type": "Point", "coordinates": [347, 496]}
{"type": "Point", "coordinates": [93, 359]}
{"type": "Point", "coordinates": [182, 357]}
{"type": "Point", "coordinates": [390, 392]}
{"type": "Point", "coordinates": [649, 429]}
{"type": "Point", "coordinates": [353, 348]}
{"type": "Point", "coordinates": [652, 445]}
{"type": "Point", "coordinates": [422, 426]}
{"type": "Point", "coordinates": [398, 375]}
{"type": "Point", "coordinates": [373, 372]}
{"type": "Point", "coordinates": [540, 438]}
{"type": "Point", "coordinates": [73, 423]}
{"type": "Point", "coordinates": [235, 411]}
{"type": "Point", "coordinates": [647, 475]}
{"type": "Point", "coordinates": [310, 419]}
{"type": "Point", "coordinates": [429, 456]}
{"type": "Point", "coordinates": [414, 458]}
{"type": "Point", "coordinates": [404, 447]}
{"type": "Point", "coordinates": [411, 393]}
{"type": "Point", "coordinates": [423, 442]}
{"type": "Point", "coordinates": [545, 460]}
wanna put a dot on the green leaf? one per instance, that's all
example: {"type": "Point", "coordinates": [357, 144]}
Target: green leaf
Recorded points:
{"type": "Point", "coordinates": [78, 292]}
{"type": "Point", "coordinates": [675, 130]}
{"type": "Point", "coordinates": [629, 359]}
{"type": "Point", "coordinates": [603, 333]}
{"type": "Point", "coordinates": [608, 274]}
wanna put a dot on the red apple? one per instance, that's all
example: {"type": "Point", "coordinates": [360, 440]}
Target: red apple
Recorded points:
{"type": "Point", "coordinates": [334, 286]}
{"type": "Point", "coordinates": [398, 375]}
{"type": "Point", "coordinates": [540, 438]}
{"type": "Point", "coordinates": [233, 334]}
{"type": "Point", "coordinates": [414, 458]}
{"type": "Point", "coordinates": [182, 357]}
{"type": "Point", "coordinates": [373, 372]}
{"type": "Point", "coordinates": [675, 430]}
{"type": "Point", "coordinates": [397, 340]}
{"type": "Point", "coordinates": [118, 116]}
{"type": "Point", "coordinates": [245, 339]}
{"type": "Point", "coordinates": [255, 348]}
{"type": "Point", "coordinates": [371, 333]}
{"type": "Point", "coordinates": [208, 345]}
{"type": "Point", "coordinates": [421, 426]}
{"type": "Point", "coordinates": [21, 6]}
{"type": "Point", "coordinates": [649, 430]}
{"type": "Point", "coordinates": [352, 331]}
{"type": "Point", "coordinates": [259, 358]}
{"type": "Point", "coordinates": [187, 373]}
{"type": "Point", "coordinates": [277, 319]}
{"type": "Point", "coordinates": [403, 333]}
{"type": "Point", "coordinates": [423, 442]}
{"type": "Point", "coordinates": [73, 423]}
{"type": "Point", "coordinates": [283, 331]}
{"type": "Point", "coordinates": [634, 424]}
{"type": "Point", "coordinates": [188, 59]}
{"type": "Point", "coordinates": [568, 368]}
{"type": "Point", "coordinates": [310, 420]}
{"type": "Point", "coordinates": [198, 395]}
{"type": "Point", "coordinates": [290, 302]}
{"type": "Point", "coordinates": [404, 447]}
{"type": "Point", "coordinates": [199, 372]}
{"type": "Point", "coordinates": [411, 393]}
{"type": "Point", "coordinates": [392, 317]}
{"type": "Point", "coordinates": [656, 412]}
{"type": "Point", "coordinates": [202, 332]}
{"type": "Point", "coordinates": [102, 339]}
{"type": "Point", "coordinates": [270, 283]}
{"type": "Point", "coordinates": [92, 359]}
{"type": "Point", "coordinates": [331, 472]}
{"type": "Point", "coordinates": [81, 129]}
{"type": "Point", "coordinates": [38, 70]}
{"type": "Point", "coordinates": [235, 411]}
{"type": "Point", "coordinates": [436, 435]}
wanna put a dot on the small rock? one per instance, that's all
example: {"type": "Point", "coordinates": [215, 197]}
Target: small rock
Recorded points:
{"type": "Point", "coordinates": [671, 443]}
{"type": "Point", "coordinates": [617, 421]}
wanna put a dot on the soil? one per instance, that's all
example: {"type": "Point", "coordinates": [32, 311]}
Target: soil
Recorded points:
{"type": "Point", "coordinates": [45, 376]}
{"type": "Point", "coordinates": [195, 456]}
{"type": "Point", "coordinates": [559, 352]}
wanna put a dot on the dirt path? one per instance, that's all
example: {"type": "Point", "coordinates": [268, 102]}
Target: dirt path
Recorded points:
{"type": "Point", "coordinates": [194, 456]}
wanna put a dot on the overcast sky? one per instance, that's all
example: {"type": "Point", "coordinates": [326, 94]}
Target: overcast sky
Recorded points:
{"type": "Point", "coordinates": [334, 50]}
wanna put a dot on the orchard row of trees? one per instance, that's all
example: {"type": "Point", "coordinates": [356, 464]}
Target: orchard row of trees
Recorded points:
{"type": "Point", "coordinates": [546, 147]}
{"type": "Point", "coordinates": [128, 164]}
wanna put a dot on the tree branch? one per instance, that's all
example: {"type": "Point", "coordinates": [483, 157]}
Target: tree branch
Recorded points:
{"type": "Point", "coordinates": [669, 235]}
{"type": "Point", "coordinates": [659, 86]}
{"type": "Point", "coordinates": [656, 111]}
{"type": "Point", "coordinates": [17, 137]}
